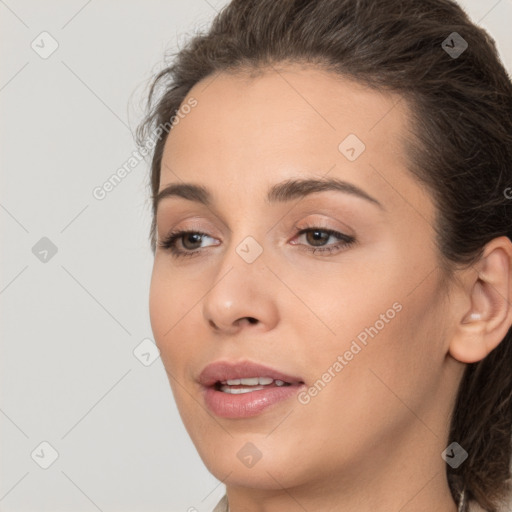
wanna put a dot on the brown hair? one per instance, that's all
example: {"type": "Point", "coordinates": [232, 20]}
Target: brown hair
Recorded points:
{"type": "Point", "coordinates": [460, 149]}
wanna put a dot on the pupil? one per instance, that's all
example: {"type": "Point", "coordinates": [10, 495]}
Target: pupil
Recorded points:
{"type": "Point", "coordinates": [189, 237]}
{"type": "Point", "coordinates": [318, 236]}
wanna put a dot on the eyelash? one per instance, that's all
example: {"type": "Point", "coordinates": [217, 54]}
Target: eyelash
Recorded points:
{"type": "Point", "coordinates": [169, 243]}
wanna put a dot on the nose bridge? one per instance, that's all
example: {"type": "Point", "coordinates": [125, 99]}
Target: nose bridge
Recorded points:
{"type": "Point", "coordinates": [246, 242]}
{"type": "Point", "coordinates": [240, 289]}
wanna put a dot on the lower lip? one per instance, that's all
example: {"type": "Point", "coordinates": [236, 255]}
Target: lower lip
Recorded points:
{"type": "Point", "coordinates": [245, 405]}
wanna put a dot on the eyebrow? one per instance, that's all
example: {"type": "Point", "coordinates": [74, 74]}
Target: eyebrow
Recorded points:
{"type": "Point", "coordinates": [280, 192]}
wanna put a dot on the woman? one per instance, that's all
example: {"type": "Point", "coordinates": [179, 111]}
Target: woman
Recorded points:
{"type": "Point", "coordinates": [332, 283]}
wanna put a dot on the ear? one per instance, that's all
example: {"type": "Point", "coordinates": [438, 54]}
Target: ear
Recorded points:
{"type": "Point", "coordinates": [488, 289]}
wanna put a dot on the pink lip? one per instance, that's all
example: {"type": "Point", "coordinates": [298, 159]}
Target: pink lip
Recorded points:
{"type": "Point", "coordinates": [223, 370]}
{"type": "Point", "coordinates": [244, 405]}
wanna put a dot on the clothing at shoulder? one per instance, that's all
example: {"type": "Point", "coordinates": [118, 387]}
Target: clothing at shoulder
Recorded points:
{"type": "Point", "coordinates": [222, 506]}
{"type": "Point", "coordinates": [473, 506]}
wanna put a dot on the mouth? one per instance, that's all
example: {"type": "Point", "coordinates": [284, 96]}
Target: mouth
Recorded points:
{"type": "Point", "coordinates": [244, 375]}
{"type": "Point", "coordinates": [244, 389]}
{"type": "Point", "coordinates": [248, 385]}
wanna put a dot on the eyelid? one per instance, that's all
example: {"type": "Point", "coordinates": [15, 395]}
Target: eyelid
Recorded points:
{"type": "Point", "coordinates": [329, 224]}
{"type": "Point", "coordinates": [196, 224]}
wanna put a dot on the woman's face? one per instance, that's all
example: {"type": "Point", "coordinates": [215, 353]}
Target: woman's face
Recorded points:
{"type": "Point", "coordinates": [358, 326]}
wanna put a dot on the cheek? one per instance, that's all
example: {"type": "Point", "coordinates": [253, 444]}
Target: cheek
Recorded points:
{"type": "Point", "coordinates": [170, 297]}
{"type": "Point", "coordinates": [387, 331]}
{"type": "Point", "coordinates": [177, 324]}
{"type": "Point", "coordinates": [168, 306]}
{"type": "Point", "coordinates": [398, 367]}
{"type": "Point", "coordinates": [337, 302]}
{"type": "Point", "coordinates": [167, 310]}
{"type": "Point", "coordinates": [368, 403]}
{"type": "Point", "coordinates": [160, 303]}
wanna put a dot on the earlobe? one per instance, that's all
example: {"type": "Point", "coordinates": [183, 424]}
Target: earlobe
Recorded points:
{"type": "Point", "coordinates": [468, 343]}
{"type": "Point", "coordinates": [487, 320]}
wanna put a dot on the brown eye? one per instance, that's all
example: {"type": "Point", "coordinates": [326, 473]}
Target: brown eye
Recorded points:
{"type": "Point", "coordinates": [317, 237]}
{"type": "Point", "coordinates": [190, 242]}
{"type": "Point", "coordinates": [316, 240]}
{"type": "Point", "coordinates": [191, 238]}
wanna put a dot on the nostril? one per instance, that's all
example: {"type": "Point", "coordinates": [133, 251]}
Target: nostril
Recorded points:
{"type": "Point", "coordinates": [252, 320]}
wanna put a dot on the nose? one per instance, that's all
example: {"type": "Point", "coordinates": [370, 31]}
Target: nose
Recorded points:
{"type": "Point", "coordinates": [234, 326]}
{"type": "Point", "coordinates": [243, 296]}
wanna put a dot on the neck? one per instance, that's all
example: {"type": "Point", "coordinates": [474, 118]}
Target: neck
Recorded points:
{"type": "Point", "coordinates": [420, 496]}
{"type": "Point", "coordinates": [407, 476]}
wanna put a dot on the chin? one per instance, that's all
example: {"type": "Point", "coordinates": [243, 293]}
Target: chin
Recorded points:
{"type": "Point", "coordinates": [272, 471]}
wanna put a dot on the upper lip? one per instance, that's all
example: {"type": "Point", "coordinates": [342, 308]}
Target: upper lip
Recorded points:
{"type": "Point", "coordinates": [223, 370]}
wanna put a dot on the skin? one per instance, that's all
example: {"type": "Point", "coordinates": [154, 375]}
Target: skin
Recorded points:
{"type": "Point", "coordinates": [372, 439]}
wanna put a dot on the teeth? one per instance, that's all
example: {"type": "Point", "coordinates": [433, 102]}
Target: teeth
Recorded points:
{"type": "Point", "coordinates": [263, 381]}
{"type": "Point", "coordinates": [252, 381]}
{"type": "Point", "coordinates": [237, 391]}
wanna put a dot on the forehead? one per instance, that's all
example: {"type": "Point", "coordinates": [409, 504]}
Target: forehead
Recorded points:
{"type": "Point", "coordinates": [253, 128]}
{"type": "Point", "coordinates": [293, 97]}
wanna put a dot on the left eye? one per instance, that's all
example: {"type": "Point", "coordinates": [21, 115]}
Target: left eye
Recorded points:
{"type": "Point", "coordinates": [318, 237]}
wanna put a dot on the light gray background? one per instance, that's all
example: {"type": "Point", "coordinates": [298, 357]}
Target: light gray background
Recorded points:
{"type": "Point", "coordinates": [70, 325]}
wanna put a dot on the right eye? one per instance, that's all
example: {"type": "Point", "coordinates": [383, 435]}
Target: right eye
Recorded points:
{"type": "Point", "coordinates": [187, 240]}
